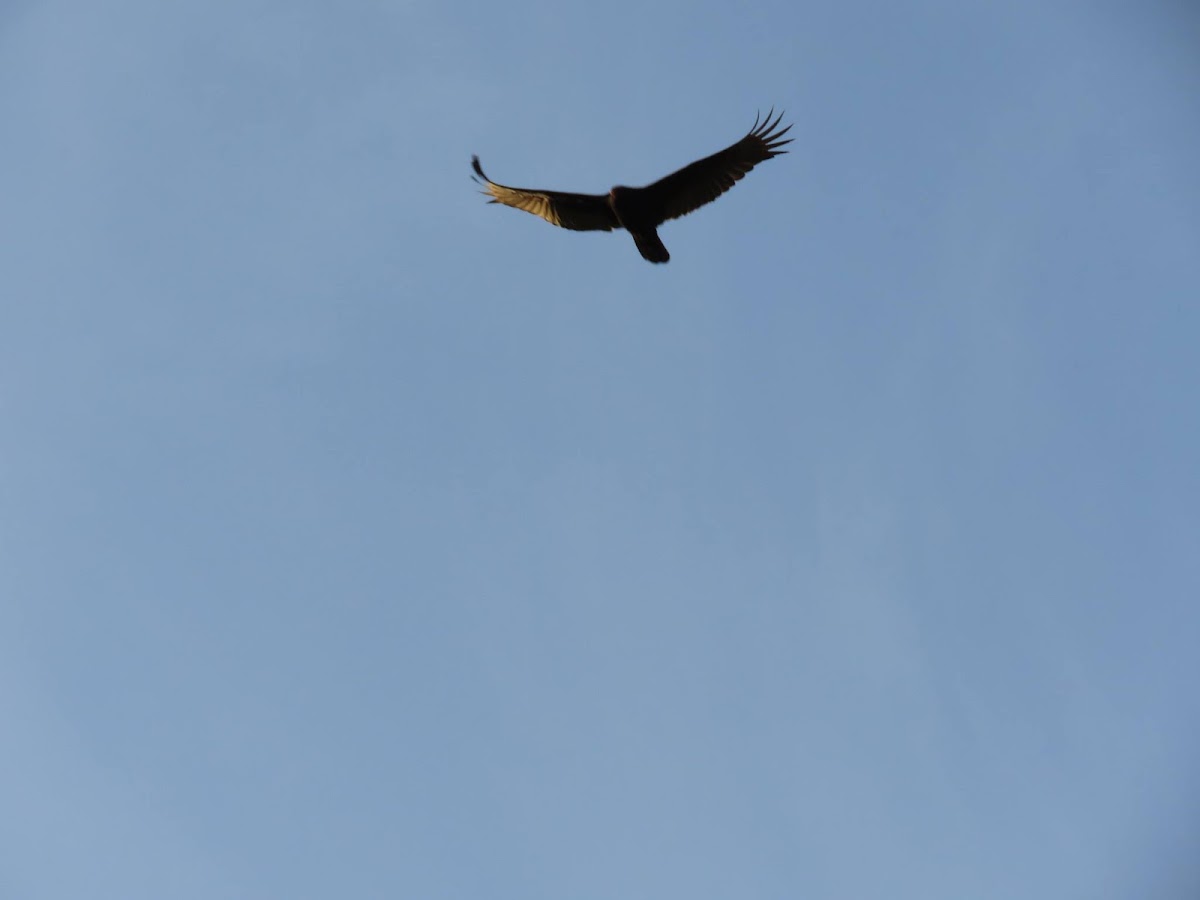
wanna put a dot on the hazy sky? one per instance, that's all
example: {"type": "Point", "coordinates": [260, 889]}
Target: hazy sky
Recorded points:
{"type": "Point", "coordinates": [359, 539]}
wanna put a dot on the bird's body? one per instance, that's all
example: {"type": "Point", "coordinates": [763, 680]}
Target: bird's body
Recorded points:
{"type": "Point", "coordinates": [632, 210]}
{"type": "Point", "coordinates": [641, 210]}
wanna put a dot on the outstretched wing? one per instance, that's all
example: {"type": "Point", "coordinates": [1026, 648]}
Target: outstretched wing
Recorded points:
{"type": "Point", "coordinates": [707, 179]}
{"type": "Point", "coordinates": [579, 212]}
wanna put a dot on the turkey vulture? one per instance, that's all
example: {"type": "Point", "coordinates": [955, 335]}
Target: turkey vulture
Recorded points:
{"type": "Point", "coordinates": [641, 210]}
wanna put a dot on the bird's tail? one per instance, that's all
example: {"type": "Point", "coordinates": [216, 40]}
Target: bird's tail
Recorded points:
{"type": "Point", "coordinates": [650, 246]}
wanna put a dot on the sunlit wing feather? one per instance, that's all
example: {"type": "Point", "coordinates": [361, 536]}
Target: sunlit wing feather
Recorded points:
{"type": "Point", "coordinates": [578, 212]}
{"type": "Point", "coordinates": [707, 179]}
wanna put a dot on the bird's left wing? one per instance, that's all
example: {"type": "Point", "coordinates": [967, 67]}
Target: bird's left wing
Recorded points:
{"type": "Point", "coordinates": [707, 179]}
{"type": "Point", "coordinates": [579, 212]}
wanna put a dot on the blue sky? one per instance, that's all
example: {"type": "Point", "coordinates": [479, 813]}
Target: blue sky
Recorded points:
{"type": "Point", "coordinates": [359, 539]}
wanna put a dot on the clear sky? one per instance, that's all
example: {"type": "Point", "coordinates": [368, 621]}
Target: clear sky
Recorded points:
{"type": "Point", "coordinates": [359, 539]}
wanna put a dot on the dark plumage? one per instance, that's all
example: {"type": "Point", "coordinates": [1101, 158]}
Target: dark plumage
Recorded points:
{"type": "Point", "coordinates": [641, 210]}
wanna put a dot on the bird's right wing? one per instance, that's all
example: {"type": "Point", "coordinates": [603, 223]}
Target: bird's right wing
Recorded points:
{"type": "Point", "coordinates": [707, 179]}
{"type": "Point", "coordinates": [579, 212]}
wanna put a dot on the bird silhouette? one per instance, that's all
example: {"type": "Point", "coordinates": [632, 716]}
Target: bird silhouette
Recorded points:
{"type": "Point", "coordinates": [641, 210]}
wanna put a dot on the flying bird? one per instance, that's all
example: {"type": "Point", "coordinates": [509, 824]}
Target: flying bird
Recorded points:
{"type": "Point", "coordinates": [641, 210]}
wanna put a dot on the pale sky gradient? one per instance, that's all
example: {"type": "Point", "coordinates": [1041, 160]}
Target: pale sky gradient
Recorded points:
{"type": "Point", "coordinates": [362, 540]}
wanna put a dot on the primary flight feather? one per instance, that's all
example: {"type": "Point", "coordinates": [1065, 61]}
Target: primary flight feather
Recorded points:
{"type": "Point", "coordinates": [641, 210]}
